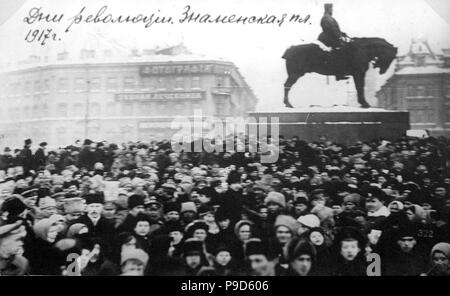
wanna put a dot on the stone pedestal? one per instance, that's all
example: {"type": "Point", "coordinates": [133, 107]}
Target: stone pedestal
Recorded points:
{"type": "Point", "coordinates": [341, 124]}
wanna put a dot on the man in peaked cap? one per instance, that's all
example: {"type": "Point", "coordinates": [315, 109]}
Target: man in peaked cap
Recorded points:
{"type": "Point", "coordinates": [99, 228]}
{"type": "Point", "coordinates": [26, 157]}
{"type": "Point", "coordinates": [11, 245]}
{"type": "Point", "coordinates": [40, 156]}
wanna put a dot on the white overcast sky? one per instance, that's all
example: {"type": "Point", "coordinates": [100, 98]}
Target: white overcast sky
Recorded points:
{"type": "Point", "coordinates": [255, 49]}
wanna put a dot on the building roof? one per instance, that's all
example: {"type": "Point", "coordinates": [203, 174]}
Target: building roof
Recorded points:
{"type": "Point", "coordinates": [432, 69]}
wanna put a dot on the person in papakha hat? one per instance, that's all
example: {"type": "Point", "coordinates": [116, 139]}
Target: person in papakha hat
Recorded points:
{"type": "Point", "coordinates": [11, 241]}
{"type": "Point", "coordinates": [232, 198]}
{"type": "Point", "coordinates": [226, 232]}
{"type": "Point", "coordinates": [188, 212]}
{"type": "Point", "coordinates": [194, 257]}
{"type": "Point", "coordinates": [199, 230]}
{"type": "Point", "coordinates": [263, 258]}
{"type": "Point", "coordinates": [74, 207]}
{"type": "Point", "coordinates": [134, 262]}
{"type": "Point", "coordinates": [276, 204]}
{"type": "Point", "coordinates": [406, 259]}
{"type": "Point", "coordinates": [99, 228]}
{"type": "Point", "coordinates": [301, 258]}
{"type": "Point", "coordinates": [135, 207]}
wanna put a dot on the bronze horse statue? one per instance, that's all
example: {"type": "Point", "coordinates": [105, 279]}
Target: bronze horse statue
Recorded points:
{"type": "Point", "coordinates": [353, 61]}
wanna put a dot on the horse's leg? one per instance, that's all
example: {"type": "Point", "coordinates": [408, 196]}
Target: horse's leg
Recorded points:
{"type": "Point", "coordinates": [359, 79]}
{"type": "Point", "coordinates": [292, 79]}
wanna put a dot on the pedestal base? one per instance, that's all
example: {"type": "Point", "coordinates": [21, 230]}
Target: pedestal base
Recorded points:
{"type": "Point", "coordinates": [340, 124]}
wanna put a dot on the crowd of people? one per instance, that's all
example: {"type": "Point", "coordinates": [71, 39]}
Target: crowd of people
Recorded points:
{"type": "Point", "coordinates": [373, 208]}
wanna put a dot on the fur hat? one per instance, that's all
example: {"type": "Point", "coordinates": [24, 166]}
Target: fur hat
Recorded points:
{"type": "Point", "coordinates": [94, 198]}
{"type": "Point", "coordinates": [288, 221]}
{"type": "Point", "coordinates": [188, 207]}
{"type": "Point", "coordinates": [73, 205]}
{"type": "Point", "coordinates": [192, 246]}
{"type": "Point", "coordinates": [46, 202]}
{"type": "Point", "coordinates": [135, 200]}
{"type": "Point", "coordinates": [194, 225]}
{"type": "Point", "coordinates": [171, 207]}
{"type": "Point", "coordinates": [137, 254]}
{"type": "Point", "coordinates": [353, 198]}
{"type": "Point", "coordinates": [28, 142]}
{"type": "Point", "coordinates": [350, 233]}
{"type": "Point", "coordinates": [309, 220]}
{"type": "Point", "coordinates": [322, 212]}
{"type": "Point", "coordinates": [298, 247]}
{"type": "Point", "coordinates": [275, 197]}
{"type": "Point", "coordinates": [222, 214]}
{"type": "Point", "coordinates": [255, 246]}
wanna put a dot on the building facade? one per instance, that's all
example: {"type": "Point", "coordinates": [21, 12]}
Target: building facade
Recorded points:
{"type": "Point", "coordinates": [117, 99]}
{"type": "Point", "coordinates": [421, 85]}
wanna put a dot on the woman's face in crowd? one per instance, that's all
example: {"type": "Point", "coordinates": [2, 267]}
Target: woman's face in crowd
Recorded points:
{"type": "Point", "coordinates": [223, 258]}
{"type": "Point", "coordinates": [316, 238]}
{"type": "Point", "coordinates": [142, 228]}
{"type": "Point", "coordinates": [209, 218]}
{"type": "Point", "coordinates": [349, 249]}
{"type": "Point", "coordinates": [244, 233]}
{"type": "Point", "coordinates": [273, 207]}
{"type": "Point", "coordinates": [283, 234]}
{"type": "Point", "coordinates": [439, 258]}
{"type": "Point", "coordinates": [302, 264]}
{"type": "Point", "coordinates": [200, 234]}
{"type": "Point", "coordinates": [49, 211]}
{"type": "Point", "coordinates": [52, 233]}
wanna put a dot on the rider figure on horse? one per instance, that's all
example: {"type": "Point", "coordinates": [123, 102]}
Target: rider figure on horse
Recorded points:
{"type": "Point", "coordinates": [334, 38]}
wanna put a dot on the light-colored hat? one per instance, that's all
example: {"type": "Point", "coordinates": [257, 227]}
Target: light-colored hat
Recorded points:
{"type": "Point", "coordinates": [137, 254]}
{"type": "Point", "coordinates": [309, 220]}
{"type": "Point", "coordinates": [46, 202]}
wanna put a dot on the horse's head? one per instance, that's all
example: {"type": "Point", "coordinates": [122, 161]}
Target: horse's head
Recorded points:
{"type": "Point", "coordinates": [384, 57]}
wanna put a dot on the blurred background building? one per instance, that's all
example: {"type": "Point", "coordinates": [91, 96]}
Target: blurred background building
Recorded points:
{"type": "Point", "coordinates": [100, 95]}
{"type": "Point", "coordinates": [421, 85]}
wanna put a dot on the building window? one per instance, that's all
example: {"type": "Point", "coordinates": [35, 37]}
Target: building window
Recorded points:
{"type": "Point", "coordinates": [220, 80]}
{"type": "Point", "coordinates": [44, 110]}
{"type": "Point", "coordinates": [161, 83]}
{"type": "Point", "coordinates": [46, 86]}
{"type": "Point", "coordinates": [221, 106]}
{"type": "Point", "coordinates": [27, 87]}
{"type": "Point", "coordinates": [78, 110]}
{"type": "Point", "coordinates": [37, 86]}
{"type": "Point", "coordinates": [127, 109]}
{"type": "Point", "coordinates": [61, 110]}
{"type": "Point", "coordinates": [61, 135]}
{"type": "Point", "coordinates": [63, 85]}
{"type": "Point", "coordinates": [80, 85]}
{"type": "Point", "coordinates": [420, 91]}
{"type": "Point", "coordinates": [179, 83]}
{"type": "Point", "coordinates": [111, 109]}
{"type": "Point", "coordinates": [146, 83]}
{"type": "Point", "coordinates": [94, 84]}
{"type": "Point", "coordinates": [129, 83]}
{"type": "Point", "coordinates": [111, 84]}
{"type": "Point", "coordinates": [35, 111]}
{"type": "Point", "coordinates": [195, 82]}
{"type": "Point", "coordinates": [94, 109]}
